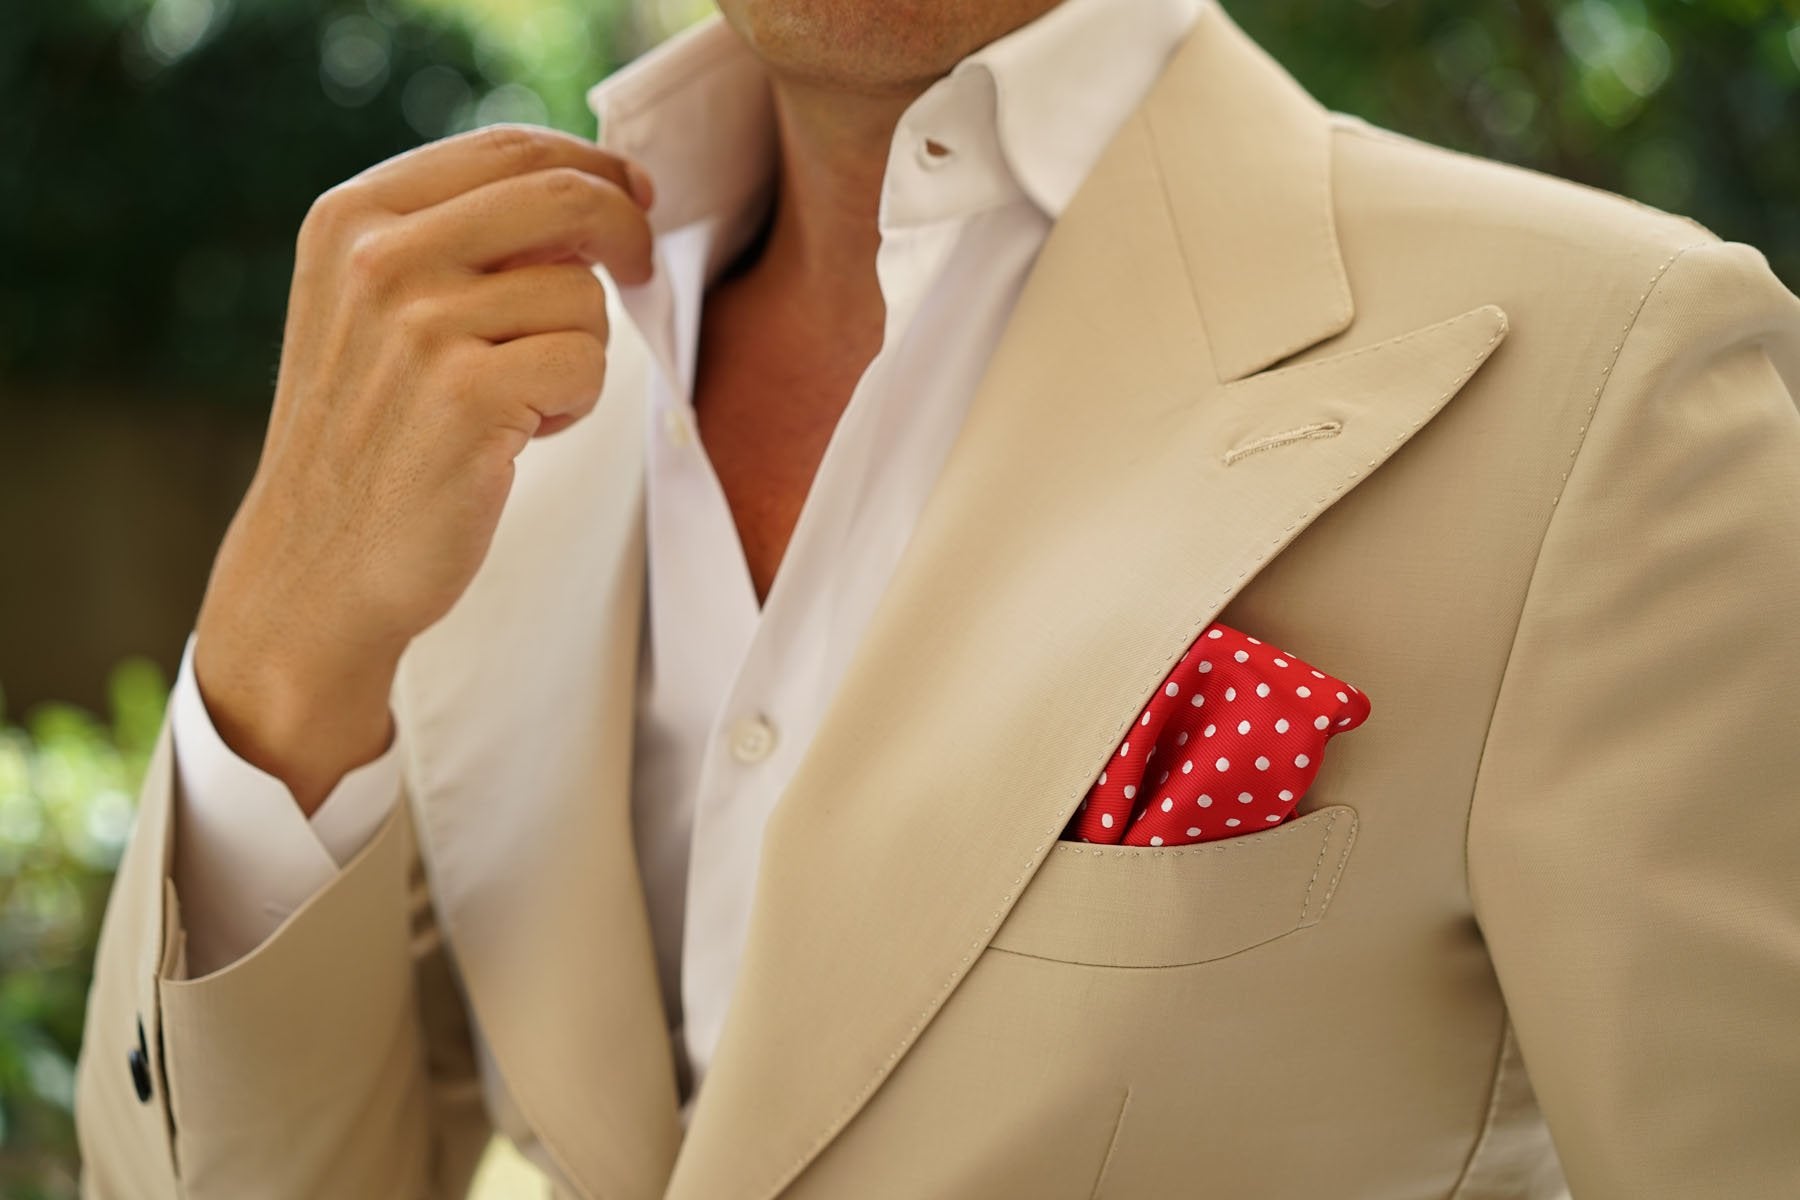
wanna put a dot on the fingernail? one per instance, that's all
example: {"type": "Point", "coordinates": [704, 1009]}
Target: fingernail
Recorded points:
{"type": "Point", "coordinates": [641, 188]}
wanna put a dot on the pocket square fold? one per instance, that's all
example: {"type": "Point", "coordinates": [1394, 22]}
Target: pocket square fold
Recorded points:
{"type": "Point", "coordinates": [1228, 745]}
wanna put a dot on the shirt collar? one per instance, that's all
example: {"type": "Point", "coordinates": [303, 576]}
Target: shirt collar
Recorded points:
{"type": "Point", "coordinates": [1065, 82]}
{"type": "Point", "coordinates": [696, 112]}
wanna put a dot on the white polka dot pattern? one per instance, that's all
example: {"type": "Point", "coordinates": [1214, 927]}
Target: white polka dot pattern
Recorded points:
{"type": "Point", "coordinates": [1270, 738]}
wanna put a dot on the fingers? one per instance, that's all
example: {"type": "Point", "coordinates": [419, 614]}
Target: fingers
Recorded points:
{"type": "Point", "coordinates": [507, 305]}
{"type": "Point", "coordinates": [441, 170]}
{"type": "Point", "coordinates": [545, 216]}
{"type": "Point", "coordinates": [546, 381]}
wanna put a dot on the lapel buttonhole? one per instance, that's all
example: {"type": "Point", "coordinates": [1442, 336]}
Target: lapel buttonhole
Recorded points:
{"type": "Point", "coordinates": [1318, 429]}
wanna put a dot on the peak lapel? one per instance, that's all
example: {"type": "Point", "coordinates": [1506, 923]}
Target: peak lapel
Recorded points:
{"type": "Point", "coordinates": [519, 711]}
{"type": "Point", "coordinates": [1245, 154]}
{"type": "Point", "coordinates": [1111, 490]}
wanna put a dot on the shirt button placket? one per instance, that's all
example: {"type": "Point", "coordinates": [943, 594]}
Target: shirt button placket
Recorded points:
{"type": "Point", "coordinates": [752, 738]}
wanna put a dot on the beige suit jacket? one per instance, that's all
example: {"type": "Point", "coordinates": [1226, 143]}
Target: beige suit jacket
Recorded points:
{"type": "Point", "coordinates": [1520, 458]}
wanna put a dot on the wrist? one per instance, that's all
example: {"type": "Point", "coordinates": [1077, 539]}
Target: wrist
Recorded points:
{"type": "Point", "coordinates": [306, 710]}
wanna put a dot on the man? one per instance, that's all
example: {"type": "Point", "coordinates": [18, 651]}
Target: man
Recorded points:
{"type": "Point", "coordinates": [515, 788]}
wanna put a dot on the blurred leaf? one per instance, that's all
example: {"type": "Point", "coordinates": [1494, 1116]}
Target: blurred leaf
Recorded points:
{"type": "Point", "coordinates": [1688, 105]}
{"type": "Point", "coordinates": [68, 783]}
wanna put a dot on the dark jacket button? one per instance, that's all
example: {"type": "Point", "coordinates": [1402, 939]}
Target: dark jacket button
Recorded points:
{"type": "Point", "coordinates": [139, 1058]}
{"type": "Point", "coordinates": [140, 1074]}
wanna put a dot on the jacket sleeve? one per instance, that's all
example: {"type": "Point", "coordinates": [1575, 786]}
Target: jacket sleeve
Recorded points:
{"type": "Point", "coordinates": [1634, 840]}
{"type": "Point", "coordinates": [332, 1060]}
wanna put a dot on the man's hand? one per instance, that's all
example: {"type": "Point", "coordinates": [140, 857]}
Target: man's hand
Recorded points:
{"type": "Point", "coordinates": [442, 314]}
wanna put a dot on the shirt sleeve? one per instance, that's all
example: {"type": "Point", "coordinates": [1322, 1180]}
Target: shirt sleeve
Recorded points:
{"type": "Point", "coordinates": [245, 855]}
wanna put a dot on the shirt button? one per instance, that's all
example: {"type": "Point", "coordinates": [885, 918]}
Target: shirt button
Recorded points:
{"type": "Point", "coordinates": [675, 425]}
{"type": "Point", "coordinates": [751, 740]}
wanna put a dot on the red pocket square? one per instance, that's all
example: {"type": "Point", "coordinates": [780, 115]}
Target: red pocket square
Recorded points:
{"type": "Point", "coordinates": [1227, 746]}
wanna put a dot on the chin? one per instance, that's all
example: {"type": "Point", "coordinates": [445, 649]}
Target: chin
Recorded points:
{"type": "Point", "coordinates": [872, 45]}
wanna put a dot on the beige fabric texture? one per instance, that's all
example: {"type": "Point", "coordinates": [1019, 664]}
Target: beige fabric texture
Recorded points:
{"type": "Point", "coordinates": [1519, 458]}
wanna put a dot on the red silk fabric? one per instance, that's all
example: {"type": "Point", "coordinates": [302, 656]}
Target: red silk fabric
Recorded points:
{"type": "Point", "coordinates": [1228, 745]}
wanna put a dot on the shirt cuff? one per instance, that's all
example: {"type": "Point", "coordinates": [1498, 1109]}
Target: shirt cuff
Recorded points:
{"type": "Point", "coordinates": [245, 855]}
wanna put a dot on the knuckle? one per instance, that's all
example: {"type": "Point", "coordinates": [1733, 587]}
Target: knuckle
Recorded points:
{"type": "Point", "coordinates": [573, 188]}
{"type": "Point", "coordinates": [332, 213]}
{"type": "Point", "coordinates": [373, 256]}
{"type": "Point", "coordinates": [520, 147]}
{"type": "Point", "coordinates": [582, 296]}
{"type": "Point", "coordinates": [422, 319]}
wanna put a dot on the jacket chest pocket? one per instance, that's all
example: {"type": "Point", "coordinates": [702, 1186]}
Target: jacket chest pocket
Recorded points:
{"type": "Point", "coordinates": [1171, 906]}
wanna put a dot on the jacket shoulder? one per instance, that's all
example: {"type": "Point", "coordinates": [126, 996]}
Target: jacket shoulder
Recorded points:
{"type": "Point", "coordinates": [1426, 231]}
{"type": "Point", "coordinates": [1394, 175]}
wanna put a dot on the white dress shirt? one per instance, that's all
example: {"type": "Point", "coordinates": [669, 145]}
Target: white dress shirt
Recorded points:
{"type": "Point", "coordinates": [730, 692]}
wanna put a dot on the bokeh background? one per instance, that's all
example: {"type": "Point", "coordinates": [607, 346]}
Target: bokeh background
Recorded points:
{"type": "Point", "coordinates": [156, 157]}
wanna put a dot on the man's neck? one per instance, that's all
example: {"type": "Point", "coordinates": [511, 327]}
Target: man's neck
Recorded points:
{"type": "Point", "coordinates": [819, 254]}
{"type": "Point", "coordinates": [841, 78]}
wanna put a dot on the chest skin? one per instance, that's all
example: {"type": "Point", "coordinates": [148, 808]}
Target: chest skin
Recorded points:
{"type": "Point", "coordinates": [770, 385]}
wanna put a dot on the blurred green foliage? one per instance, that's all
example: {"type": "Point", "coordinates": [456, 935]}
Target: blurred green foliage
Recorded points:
{"type": "Point", "coordinates": [68, 783]}
{"type": "Point", "coordinates": [1689, 105]}
{"type": "Point", "coordinates": [160, 154]}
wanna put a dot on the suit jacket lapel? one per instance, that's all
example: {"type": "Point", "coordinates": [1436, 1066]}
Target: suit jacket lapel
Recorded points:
{"type": "Point", "coordinates": [518, 713]}
{"type": "Point", "coordinates": [1127, 464]}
